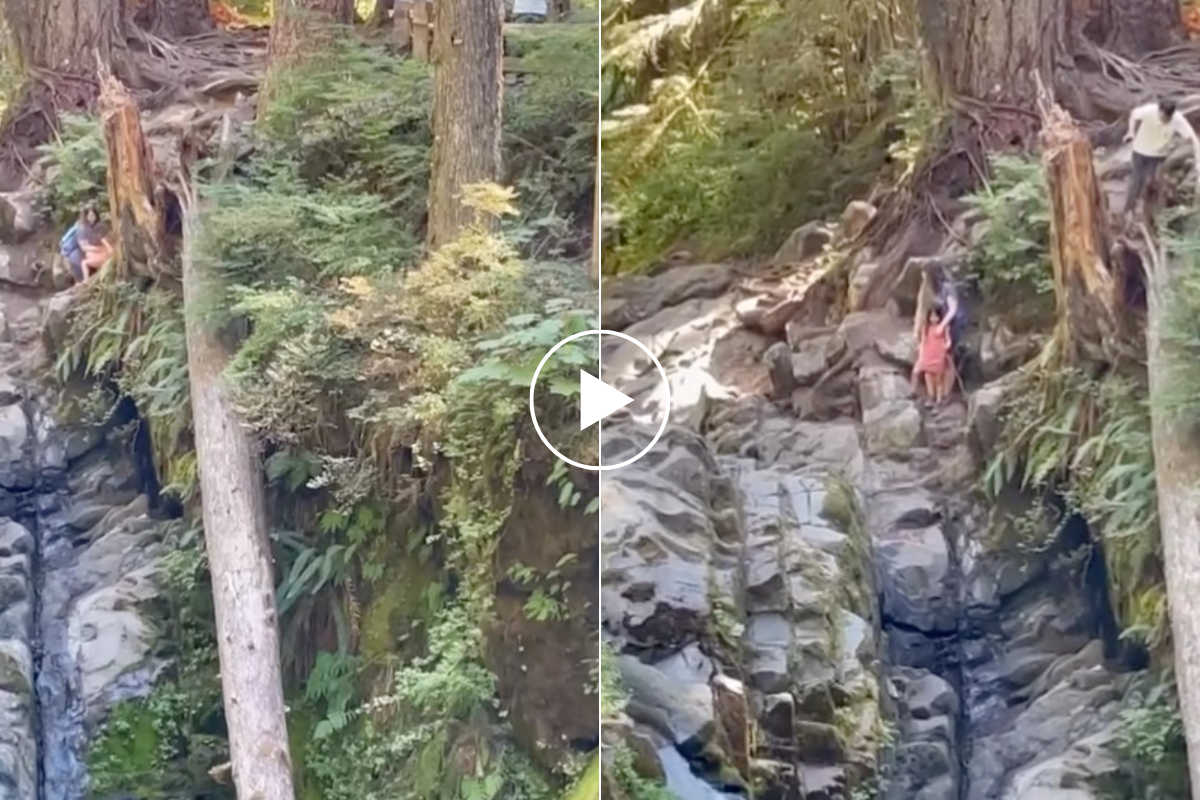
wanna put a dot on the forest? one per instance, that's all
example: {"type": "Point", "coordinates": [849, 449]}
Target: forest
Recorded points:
{"type": "Point", "coordinates": [342, 237]}
{"type": "Point", "coordinates": [810, 165]}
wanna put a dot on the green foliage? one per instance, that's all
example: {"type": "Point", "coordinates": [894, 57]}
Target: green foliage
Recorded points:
{"type": "Point", "coordinates": [730, 123]}
{"type": "Point", "coordinates": [77, 167]}
{"type": "Point", "coordinates": [352, 350]}
{"type": "Point", "coordinates": [1150, 747]}
{"type": "Point", "coordinates": [1011, 261]}
{"type": "Point", "coordinates": [1088, 440]}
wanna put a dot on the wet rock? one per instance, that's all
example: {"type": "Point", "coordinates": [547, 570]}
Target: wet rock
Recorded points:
{"type": "Point", "coordinates": [807, 241]}
{"type": "Point", "coordinates": [916, 573]}
{"type": "Point", "coordinates": [683, 712]}
{"type": "Point", "coordinates": [1045, 730]}
{"type": "Point", "coordinates": [670, 542]}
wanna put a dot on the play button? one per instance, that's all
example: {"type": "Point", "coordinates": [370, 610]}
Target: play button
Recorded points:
{"type": "Point", "coordinates": [597, 400]}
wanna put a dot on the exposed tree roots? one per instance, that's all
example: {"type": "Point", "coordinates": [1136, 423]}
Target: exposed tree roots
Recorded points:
{"type": "Point", "coordinates": [1097, 93]}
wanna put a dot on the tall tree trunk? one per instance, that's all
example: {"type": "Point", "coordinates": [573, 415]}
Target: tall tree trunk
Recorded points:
{"type": "Point", "coordinates": [174, 19]}
{"type": "Point", "coordinates": [468, 90]}
{"type": "Point", "coordinates": [64, 35]}
{"type": "Point", "coordinates": [299, 28]}
{"type": "Point", "coordinates": [239, 553]}
{"type": "Point", "coordinates": [1176, 474]}
{"type": "Point", "coordinates": [991, 50]}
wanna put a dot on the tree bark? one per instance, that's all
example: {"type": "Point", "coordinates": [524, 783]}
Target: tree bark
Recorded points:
{"type": "Point", "coordinates": [135, 212]}
{"type": "Point", "coordinates": [992, 50]}
{"type": "Point", "coordinates": [1085, 289]}
{"type": "Point", "coordinates": [468, 91]}
{"type": "Point", "coordinates": [64, 35]}
{"type": "Point", "coordinates": [1177, 474]}
{"type": "Point", "coordinates": [299, 28]}
{"type": "Point", "coordinates": [239, 555]}
{"type": "Point", "coordinates": [174, 19]}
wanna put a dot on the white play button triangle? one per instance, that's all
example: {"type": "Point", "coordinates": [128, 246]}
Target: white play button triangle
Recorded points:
{"type": "Point", "coordinates": [597, 400]}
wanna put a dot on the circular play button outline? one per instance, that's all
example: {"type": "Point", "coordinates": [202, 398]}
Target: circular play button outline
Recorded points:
{"type": "Point", "coordinates": [662, 372]}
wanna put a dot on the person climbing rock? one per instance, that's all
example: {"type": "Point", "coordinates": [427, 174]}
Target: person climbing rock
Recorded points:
{"type": "Point", "coordinates": [934, 365]}
{"type": "Point", "coordinates": [938, 292]}
{"type": "Point", "coordinates": [1153, 128]}
{"type": "Point", "coordinates": [71, 245]}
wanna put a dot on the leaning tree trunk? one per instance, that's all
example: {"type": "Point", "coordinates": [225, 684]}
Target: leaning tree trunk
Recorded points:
{"type": "Point", "coordinates": [468, 90]}
{"type": "Point", "coordinates": [239, 553]}
{"type": "Point", "coordinates": [1176, 475]}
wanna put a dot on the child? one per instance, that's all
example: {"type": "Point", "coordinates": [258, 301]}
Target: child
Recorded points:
{"type": "Point", "coordinates": [933, 358]}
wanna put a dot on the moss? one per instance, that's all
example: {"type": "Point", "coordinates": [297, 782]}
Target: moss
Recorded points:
{"type": "Point", "coordinates": [125, 757]}
{"type": "Point", "coordinates": [392, 612]}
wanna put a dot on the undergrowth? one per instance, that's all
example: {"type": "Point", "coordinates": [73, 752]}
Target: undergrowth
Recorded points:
{"type": "Point", "coordinates": [1010, 262]}
{"type": "Point", "coordinates": [1087, 441]}
{"type": "Point", "coordinates": [389, 389]}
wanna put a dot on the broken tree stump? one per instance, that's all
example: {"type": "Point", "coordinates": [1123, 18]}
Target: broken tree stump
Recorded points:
{"type": "Point", "coordinates": [135, 208]}
{"type": "Point", "coordinates": [1088, 301]}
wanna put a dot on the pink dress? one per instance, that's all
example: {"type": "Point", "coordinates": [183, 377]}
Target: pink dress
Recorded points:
{"type": "Point", "coordinates": [934, 350]}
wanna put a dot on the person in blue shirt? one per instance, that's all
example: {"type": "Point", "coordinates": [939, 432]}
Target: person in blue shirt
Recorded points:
{"type": "Point", "coordinates": [82, 233]}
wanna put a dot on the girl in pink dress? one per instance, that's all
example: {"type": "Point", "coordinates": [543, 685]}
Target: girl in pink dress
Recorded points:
{"type": "Point", "coordinates": [933, 359]}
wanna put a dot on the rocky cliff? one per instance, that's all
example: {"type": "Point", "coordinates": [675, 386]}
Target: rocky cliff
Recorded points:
{"type": "Point", "coordinates": [805, 591]}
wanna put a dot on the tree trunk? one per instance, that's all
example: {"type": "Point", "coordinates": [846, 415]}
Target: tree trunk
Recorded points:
{"type": "Point", "coordinates": [239, 554]}
{"type": "Point", "coordinates": [63, 35]}
{"type": "Point", "coordinates": [299, 28]}
{"type": "Point", "coordinates": [136, 215]}
{"type": "Point", "coordinates": [991, 50]}
{"type": "Point", "coordinates": [1177, 474]}
{"type": "Point", "coordinates": [420, 14]}
{"type": "Point", "coordinates": [174, 19]}
{"type": "Point", "coordinates": [1085, 289]}
{"type": "Point", "coordinates": [468, 89]}
{"type": "Point", "coordinates": [402, 23]}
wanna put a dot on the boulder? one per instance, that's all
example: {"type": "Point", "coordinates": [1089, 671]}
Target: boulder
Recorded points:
{"type": "Point", "coordinates": [807, 241]}
{"type": "Point", "coordinates": [855, 219]}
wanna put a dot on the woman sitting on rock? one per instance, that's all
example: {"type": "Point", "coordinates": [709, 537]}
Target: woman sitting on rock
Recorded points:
{"type": "Point", "coordinates": [934, 364]}
{"type": "Point", "coordinates": [72, 244]}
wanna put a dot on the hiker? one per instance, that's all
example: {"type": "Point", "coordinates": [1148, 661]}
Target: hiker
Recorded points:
{"type": "Point", "coordinates": [1153, 129]}
{"type": "Point", "coordinates": [70, 246]}
{"type": "Point", "coordinates": [934, 365]}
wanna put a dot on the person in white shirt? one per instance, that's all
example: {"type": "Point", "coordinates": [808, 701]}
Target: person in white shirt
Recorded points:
{"type": "Point", "coordinates": [1153, 129]}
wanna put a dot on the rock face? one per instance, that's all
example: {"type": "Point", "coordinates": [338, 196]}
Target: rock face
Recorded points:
{"type": "Point", "coordinates": [754, 547]}
{"type": "Point", "coordinates": [78, 559]}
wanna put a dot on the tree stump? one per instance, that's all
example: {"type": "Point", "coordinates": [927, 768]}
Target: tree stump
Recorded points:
{"type": "Point", "coordinates": [1088, 302]}
{"type": "Point", "coordinates": [132, 175]}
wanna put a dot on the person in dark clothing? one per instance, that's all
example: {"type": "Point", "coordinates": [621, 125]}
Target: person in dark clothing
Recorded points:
{"type": "Point", "coordinates": [79, 235]}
